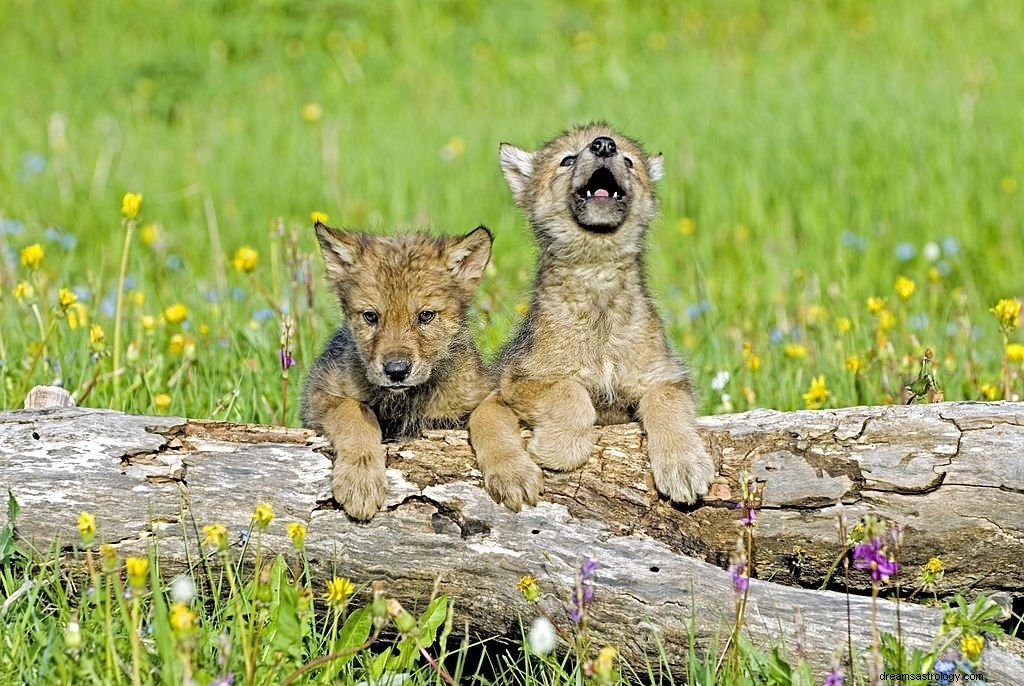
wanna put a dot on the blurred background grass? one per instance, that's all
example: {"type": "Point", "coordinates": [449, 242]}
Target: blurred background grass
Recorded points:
{"type": "Point", "coordinates": [815, 152]}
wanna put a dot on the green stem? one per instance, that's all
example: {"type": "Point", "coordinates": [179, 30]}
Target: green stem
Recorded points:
{"type": "Point", "coordinates": [136, 645]}
{"type": "Point", "coordinates": [119, 308]}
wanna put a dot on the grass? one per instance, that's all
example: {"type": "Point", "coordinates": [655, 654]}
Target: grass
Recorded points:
{"type": "Point", "coordinates": [843, 193]}
{"type": "Point", "coordinates": [815, 154]}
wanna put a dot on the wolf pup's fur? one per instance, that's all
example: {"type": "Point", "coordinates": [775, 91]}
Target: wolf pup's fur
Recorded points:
{"type": "Point", "coordinates": [591, 348]}
{"type": "Point", "coordinates": [403, 360]}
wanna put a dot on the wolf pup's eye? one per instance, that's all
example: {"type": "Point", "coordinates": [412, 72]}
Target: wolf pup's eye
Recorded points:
{"type": "Point", "coordinates": [371, 317]}
{"type": "Point", "coordinates": [568, 161]}
{"type": "Point", "coordinates": [629, 162]}
{"type": "Point", "coordinates": [426, 316]}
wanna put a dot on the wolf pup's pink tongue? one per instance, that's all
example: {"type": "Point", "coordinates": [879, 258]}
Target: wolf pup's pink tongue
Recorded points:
{"type": "Point", "coordinates": [601, 193]}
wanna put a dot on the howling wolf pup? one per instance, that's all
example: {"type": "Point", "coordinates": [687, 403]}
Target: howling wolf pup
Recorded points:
{"type": "Point", "coordinates": [404, 359]}
{"type": "Point", "coordinates": [591, 347]}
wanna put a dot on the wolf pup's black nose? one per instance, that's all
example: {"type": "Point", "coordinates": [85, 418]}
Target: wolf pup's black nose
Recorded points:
{"type": "Point", "coordinates": [603, 146]}
{"type": "Point", "coordinates": [397, 369]}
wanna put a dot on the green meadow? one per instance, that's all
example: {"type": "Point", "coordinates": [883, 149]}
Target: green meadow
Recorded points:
{"type": "Point", "coordinates": [815, 153]}
{"type": "Point", "coordinates": [842, 212]}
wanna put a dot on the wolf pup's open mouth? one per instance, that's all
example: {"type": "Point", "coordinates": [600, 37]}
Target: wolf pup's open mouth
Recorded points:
{"type": "Point", "coordinates": [599, 205]}
{"type": "Point", "coordinates": [602, 185]}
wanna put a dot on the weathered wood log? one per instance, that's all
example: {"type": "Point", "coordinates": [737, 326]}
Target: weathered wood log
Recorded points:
{"type": "Point", "coordinates": [952, 474]}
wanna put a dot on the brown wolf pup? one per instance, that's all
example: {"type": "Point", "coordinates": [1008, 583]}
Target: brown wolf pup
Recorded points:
{"type": "Point", "coordinates": [404, 359]}
{"type": "Point", "coordinates": [591, 347]}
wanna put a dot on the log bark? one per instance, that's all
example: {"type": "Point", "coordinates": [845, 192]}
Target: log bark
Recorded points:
{"type": "Point", "coordinates": [952, 474]}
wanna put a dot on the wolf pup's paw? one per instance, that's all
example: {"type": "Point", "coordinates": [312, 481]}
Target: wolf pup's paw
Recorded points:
{"type": "Point", "coordinates": [359, 486]}
{"type": "Point", "coordinates": [562, 448]}
{"type": "Point", "coordinates": [683, 471]}
{"type": "Point", "coordinates": [515, 482]}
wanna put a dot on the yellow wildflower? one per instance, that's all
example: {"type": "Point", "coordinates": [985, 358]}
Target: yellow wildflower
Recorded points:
{"type": "Point", "coordinates": [686, 226]}
{"type": "Point", "coordinates": [312, 112]}
{"type": "Point", "coordinates": [137, 568]}
{"type": "Point", "coordinates": [528, 586]}
{"type": "Point", "coordinates": [245, 259]}
{"type": "Point", "coordinates": [932, 573]}
{"type": "Point", "coordinates": [886, 320]}
{"type": "Point", "coordinates": [66, 298]}
{"type": "Point", "coordinates": [455, 146]}
{"type": "Point", "coordinates": [854, 363]}
{"type": "Point", "coordinates": [177, 344]}
{"type": "Point", "coordinates": [796, 351]}
{"type": "Point", "coordinates": [23, 291]}
{"type": "Point", "coordinates": [149, 234]}
{"type": "Point", "coordinates": [934, 275]}
{"type": "Point", "coordinates": [876, 304]}
{"type": "Point", "coordinates": [604, 665]}
{"type": "Point", "coordinates": [320, 217]}
{"type": "Point", "coordinates": [338, 591]}
{"type": "Point", "coordinates": [96, 337]}
{"type": "Point", "coordinates": [202, 329]}
{"type": "Point", "coordinates": [176, 313]}
{"type": "Point", "coordinates": [971, 646]}
{"type": "Point", "coordinates": [263, 515]}
{"type": "Point", "coordinates": [988, 391]}
{"type": "Point", "coordinates": [843, 324]}
{"type": "Point", "coordinates": [1015, 352]}
{"type": "Point", "coordinates": [148, 322]}
{"type": "Point", "coordinates": [297, 532]}
{"type": "Point", "coordinates": [817, 394]}
{"type": "Point", "coordinates": [32, 256]}
{"type": "Point", "coordinates": [1007, 311]}
{"type": "Point", "coordinates": [87, 526]}
{"type": "Point", "coordinates": [131, 205]}
{"type": "Point", "coordinates": [522, 309]}
{"type": "Point", "coordinates": [750, 358]}
{"type": "Point", "coordinates": [216, 535]}
{"type": "Point", "coordinates": [813, 313]}
{"type": "Point", "coordinates": [183, 620]}
{"type": "Point", "coordinates": [161, 401]}
{"type": "Point", "coordinates": [904, 287]}
{"type": "Point", "coordinates": [109, 556]}
{"type": "Point", "coordinates": [137, 297]}
{"type": "Point", "coordinates": [78, 315]}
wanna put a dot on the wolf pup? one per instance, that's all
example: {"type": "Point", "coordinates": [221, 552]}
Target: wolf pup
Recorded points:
{"type": "Point", "coordinates": [591, 348]}
{"type": "Point", "coordinates": [403, 360]}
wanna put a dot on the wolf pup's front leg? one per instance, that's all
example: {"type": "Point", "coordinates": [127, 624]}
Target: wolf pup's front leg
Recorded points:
{"type": "Point", "coordinates": [510, 476]}
{"type": "Point", "coordinates": [681, 467]}
{"type": "Point", "coordinates": [358, 481]}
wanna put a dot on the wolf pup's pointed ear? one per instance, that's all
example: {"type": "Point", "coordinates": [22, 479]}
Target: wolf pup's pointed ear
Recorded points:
{"type": "Point", "coordinates": [467, 256]}
{"type": "Point", "coordinates": [656, 164]}
{"type": "Point", "coordinates": [517, 166]}
{"type": "Point", "coordinates": [340, 250]}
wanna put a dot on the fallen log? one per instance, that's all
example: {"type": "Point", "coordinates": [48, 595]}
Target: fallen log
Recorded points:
{"type": "Point", "coordinates": [949, 473]}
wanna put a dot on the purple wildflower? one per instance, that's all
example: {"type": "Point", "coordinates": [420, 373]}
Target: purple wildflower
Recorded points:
{"type": "Point", "coordinates": [287, 361]}
{"type": "Point", "coordinates": [588, 593]}
{"type": "Point", "coordinates": [739, 575]}
{"type": "Point", "coordinates": [749, 517]}
{"type": "Point", "coordinates": [583, 593]}
{"type": "Point", "coordinates": [833, 678]}
{"type": "Point", "coordinates": [872, 556]}
{"type": "Point", "coordinates": [588, 568]}
{"type": "Point", "coordinates": [225, 680]}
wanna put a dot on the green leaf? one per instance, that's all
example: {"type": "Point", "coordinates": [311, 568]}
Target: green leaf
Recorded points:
{"type": "Point", "coordinates": [13, 508]}
{"type": "Point", "coordinates": [284, 628]}
{"type": "Point", "coordinates": [432, 619]}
